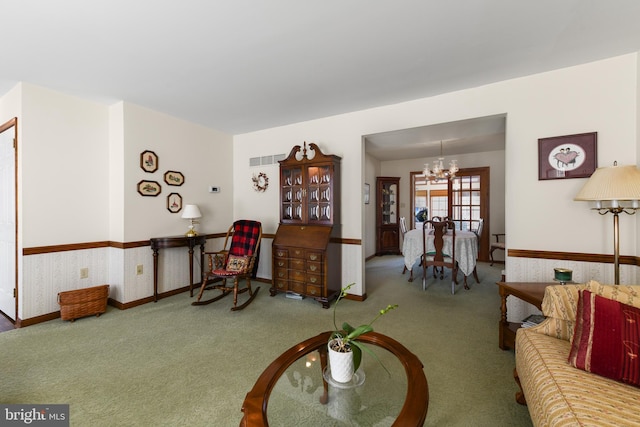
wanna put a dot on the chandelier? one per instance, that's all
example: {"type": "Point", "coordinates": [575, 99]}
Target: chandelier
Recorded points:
{"type": "Point", "coordinates": [438, 172]}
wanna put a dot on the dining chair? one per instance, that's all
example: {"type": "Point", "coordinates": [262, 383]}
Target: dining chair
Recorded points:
{"type": "Point", "coordinates": [235, 263]}
{"type": "Point", "coordinates": [437, 258]}
{"type": "Point", "coordinates": [403, 231]}
{"type": "Point", "coordinates": [478, 232]}
{"type": "Point", "coordinates": [497, 245]}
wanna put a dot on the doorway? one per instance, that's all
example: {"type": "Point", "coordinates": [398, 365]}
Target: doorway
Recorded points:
{"type": "Point", "coordinates": [465, 200]}
{"type": "Point", "coordinates": [8, 220]}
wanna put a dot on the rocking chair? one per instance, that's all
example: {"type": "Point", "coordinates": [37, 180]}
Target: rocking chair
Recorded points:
{"type": "Point", "coordinates": [235, 263]}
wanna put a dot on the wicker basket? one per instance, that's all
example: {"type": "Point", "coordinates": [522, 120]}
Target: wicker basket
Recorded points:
{"type": "Point", "coordinates": [83, 302]}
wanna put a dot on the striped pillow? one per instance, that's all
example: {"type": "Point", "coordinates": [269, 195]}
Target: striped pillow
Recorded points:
{"type": "Point", "coordinates": [606, 339]}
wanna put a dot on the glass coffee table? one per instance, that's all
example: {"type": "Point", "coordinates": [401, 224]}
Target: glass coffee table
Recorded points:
{"type": "Point", "coordinates": [297, 388]}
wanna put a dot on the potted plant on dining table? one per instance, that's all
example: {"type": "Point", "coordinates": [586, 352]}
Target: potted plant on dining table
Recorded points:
{"type": "Point", "coordinates": [345, 351]}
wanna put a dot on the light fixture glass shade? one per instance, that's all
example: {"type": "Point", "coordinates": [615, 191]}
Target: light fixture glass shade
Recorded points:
{"type": "Point", "coordinates": [191, 212]}
{"type": "Point", "coordinates": [438, 172]}
{"type": "Point", "coordinates": [612, 183]}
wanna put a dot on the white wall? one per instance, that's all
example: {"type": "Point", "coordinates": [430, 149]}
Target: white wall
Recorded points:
{"type": "Point", "coordinates": [65, 172]}
{"type": "Point", "coordinates": [599, 96]}
{"type": "Point", "coordinates": [79, 163]}
{"type": "Point", "coordinates": [371, 171]}
{"type": "Point", "coordinates": [200, 154]}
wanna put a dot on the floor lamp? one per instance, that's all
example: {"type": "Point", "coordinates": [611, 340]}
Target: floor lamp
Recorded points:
{"type": "Point", "coordinates": [614, 190]}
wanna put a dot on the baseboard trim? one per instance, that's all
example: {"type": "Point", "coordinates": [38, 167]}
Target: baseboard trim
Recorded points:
{"type": "Point", "coordinates": [19, 323]}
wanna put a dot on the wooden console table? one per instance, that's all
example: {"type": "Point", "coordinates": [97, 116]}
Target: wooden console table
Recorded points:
{"type": "Point", "coordinates": [158, 243]}
{"type": "Point", "coordinates": [530, 292]}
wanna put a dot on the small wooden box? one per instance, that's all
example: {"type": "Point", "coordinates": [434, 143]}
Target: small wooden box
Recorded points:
{"type": "Point", "coordinates": [83, 302]}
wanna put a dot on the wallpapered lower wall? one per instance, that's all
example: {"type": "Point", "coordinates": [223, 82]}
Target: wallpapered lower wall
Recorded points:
{"type": "Point", "coordinates": [45, 275]}
{"type": "Point", "coordinates": [541, 270]}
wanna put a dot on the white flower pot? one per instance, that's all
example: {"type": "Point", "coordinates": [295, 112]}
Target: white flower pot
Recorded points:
{"type": "Point", "coordinates": [341, 365]}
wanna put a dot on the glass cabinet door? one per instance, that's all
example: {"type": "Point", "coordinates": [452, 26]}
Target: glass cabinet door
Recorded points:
{"type": "Point", "coordinates": [387, 215]}
{"type": "Point", "coordinates": [319, 193]}
{"type": "Point", "coordinates": [292, 194]}
{"type": "Point", "coordinates": [389, 206]}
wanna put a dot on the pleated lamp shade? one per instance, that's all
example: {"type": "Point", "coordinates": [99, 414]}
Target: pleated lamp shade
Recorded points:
{"type": "Point", "coordinates": [613, 183]}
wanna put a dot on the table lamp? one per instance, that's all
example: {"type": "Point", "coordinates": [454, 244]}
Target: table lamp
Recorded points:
{"type": "Point", "coordinates": [614, 190]}
{"type": "Point", "coordinates": [191, 212]}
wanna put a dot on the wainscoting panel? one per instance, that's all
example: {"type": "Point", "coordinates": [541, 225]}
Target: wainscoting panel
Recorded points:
{"type": "Point", "coordinates": [45, 275]}
{"type": "Point", "coordinates": [135, 287]}
{"type": "Point", "coordinates": [50, 270]}
{"type": "Point", "coordinates": [520, 269]}
{"type": "Point", "coordinates": [116, 274]}
{"type": "Point", "coordinates": [351, 254]}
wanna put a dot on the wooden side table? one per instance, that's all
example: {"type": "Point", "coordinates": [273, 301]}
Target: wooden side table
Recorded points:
{"type": "Point", "coordinates": [529, 292]}
{"type": "Point", "coordinates": [158, 243]}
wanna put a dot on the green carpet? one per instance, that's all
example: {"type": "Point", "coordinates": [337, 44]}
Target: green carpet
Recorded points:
{"type": "Point", "coordinates": [172, 364]}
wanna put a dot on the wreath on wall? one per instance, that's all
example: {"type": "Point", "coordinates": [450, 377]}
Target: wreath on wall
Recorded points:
{"type": "Point", "coordinates": [260, 182]}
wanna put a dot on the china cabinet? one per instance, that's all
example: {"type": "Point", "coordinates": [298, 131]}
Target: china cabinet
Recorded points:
{"type": "Point", "coordinates": [306, 250]}
{"type": "Point", "coordinates": [387, 219]}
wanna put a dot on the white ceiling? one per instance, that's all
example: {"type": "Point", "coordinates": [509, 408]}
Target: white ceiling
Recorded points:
{"type": "Point", "coordinates": [245, 65]}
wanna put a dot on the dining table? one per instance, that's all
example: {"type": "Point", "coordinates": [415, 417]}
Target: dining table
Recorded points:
{"type": "Point", "coordinates": [466, 249]}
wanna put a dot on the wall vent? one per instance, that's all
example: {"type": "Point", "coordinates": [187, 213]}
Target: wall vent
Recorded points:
{"type": "Point", "coordinates": [266, 160]}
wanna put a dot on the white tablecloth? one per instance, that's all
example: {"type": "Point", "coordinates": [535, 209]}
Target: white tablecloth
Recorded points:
{"type": "Point", "coordinates": [466, 248]}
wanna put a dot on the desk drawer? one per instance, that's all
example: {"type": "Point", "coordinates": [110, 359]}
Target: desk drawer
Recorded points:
{"type": "Point", "coordinates": [314, 256]}
{"type": "Point", "coordinates": [297, 287]}
{"type": "Point", "coordinates": [299, 275]}
{"type": "Point", "coordinates": [314, 279]}
{"type": "Point", "coordinates": [281, 253]}
{"type": "Point", "coordinates": [314, 267]}
{"type": "Point", "coordinates": [281, 262]}
{"type": "Point", "coordinates": [281, 273]}
{"type": "Point", "coordinates": [296, 264]}
{"type": "Point", "coordinates": [297, 253]}
{"type": "Point", "coordinates": [281, 284]}
{"type": "Point", "coordinates": [314, 291]}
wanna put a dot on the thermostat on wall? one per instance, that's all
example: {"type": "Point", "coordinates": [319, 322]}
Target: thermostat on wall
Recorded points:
{"type": "Point", "coordinates": [213, 189]}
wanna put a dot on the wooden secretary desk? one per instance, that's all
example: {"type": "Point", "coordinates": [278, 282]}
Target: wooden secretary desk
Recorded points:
{"type": "Point", "coordinates": [306, 257]}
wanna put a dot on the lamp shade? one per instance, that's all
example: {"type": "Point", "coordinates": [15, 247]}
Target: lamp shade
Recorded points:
{"type": "Point", "coordinates": [612, 183]}
{"type": "Point", "coordinates": [191, 212]}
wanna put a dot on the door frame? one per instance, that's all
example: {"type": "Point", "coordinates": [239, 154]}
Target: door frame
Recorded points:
{"type": "Point", "coordinates": [485, 195]}
{"type": "Point", "coordinates": [3, 128]}
{"type": "Point", "coordinates": [485, 192]}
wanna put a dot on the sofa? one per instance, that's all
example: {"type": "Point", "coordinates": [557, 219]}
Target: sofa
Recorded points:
{"type": "Point", "coordinates": [555, 391]}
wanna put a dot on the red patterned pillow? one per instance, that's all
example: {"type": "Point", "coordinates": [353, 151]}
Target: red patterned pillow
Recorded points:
{"type": "Point", "coordinates": [606, 339]}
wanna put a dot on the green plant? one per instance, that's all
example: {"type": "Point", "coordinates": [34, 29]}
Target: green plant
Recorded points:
{"type": "Point", "coordinates": [346, 339]}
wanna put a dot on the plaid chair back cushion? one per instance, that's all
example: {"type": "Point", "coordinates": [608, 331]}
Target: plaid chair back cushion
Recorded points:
{"type": "Point", "coordinates": [245, 237]}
